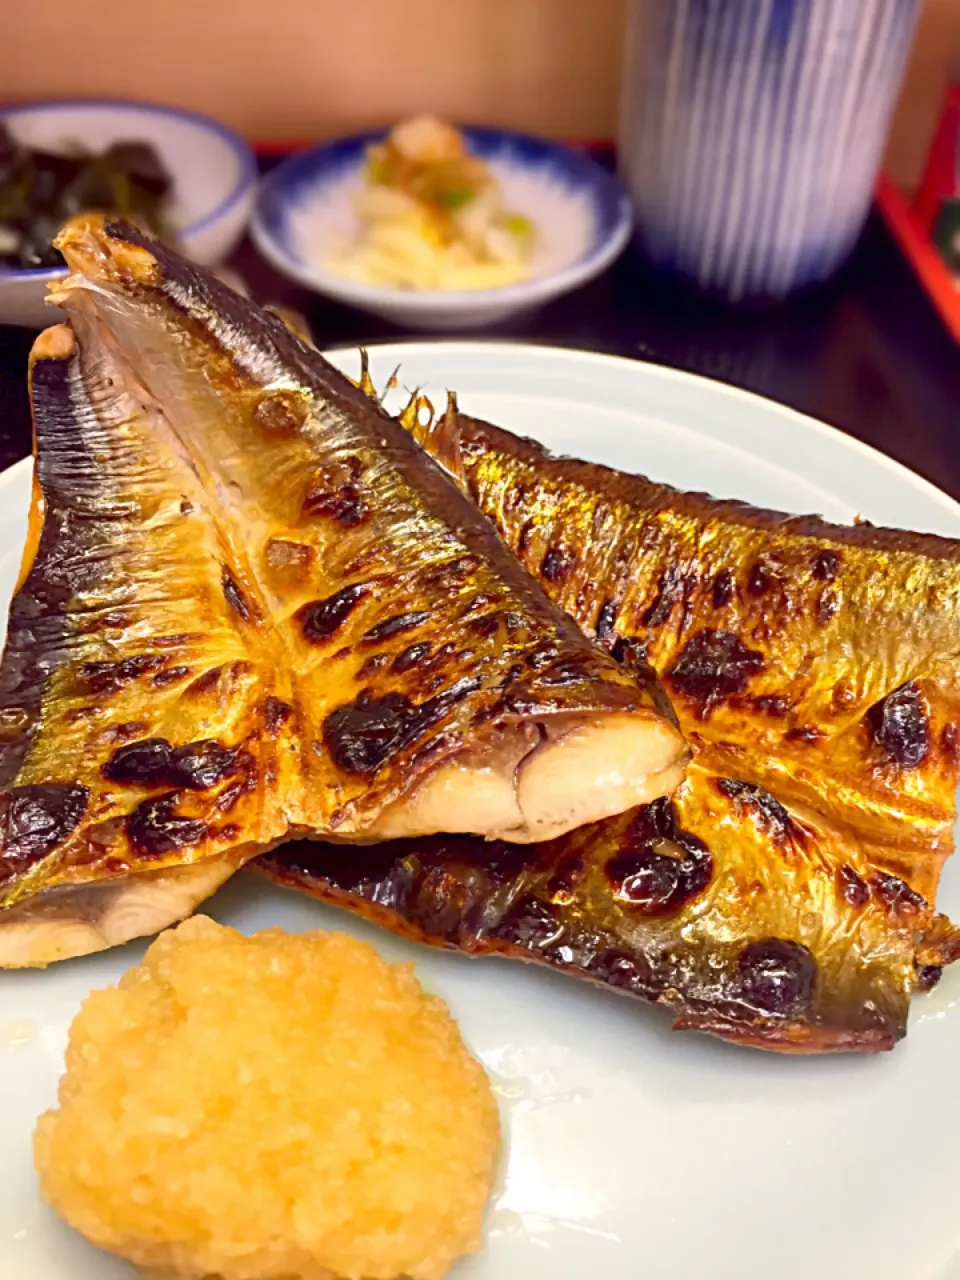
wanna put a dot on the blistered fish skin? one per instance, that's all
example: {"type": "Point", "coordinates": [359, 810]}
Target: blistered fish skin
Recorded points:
{"type": "Point", "coordinates": [252, 608]}
{"type": "Point", "coordinates": [785, 896]}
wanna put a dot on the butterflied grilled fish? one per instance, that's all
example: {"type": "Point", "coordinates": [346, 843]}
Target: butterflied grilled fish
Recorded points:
{"type": "Point", "coordinates": [251, 607]}
{"type": "Point", "coordinates": [785, 896]}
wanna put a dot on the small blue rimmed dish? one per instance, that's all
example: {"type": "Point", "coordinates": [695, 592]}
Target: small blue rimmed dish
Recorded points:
{"type": "Point", "coordinates": [213, 170]}
{"type": "Point", "coordinates": [581, 214]}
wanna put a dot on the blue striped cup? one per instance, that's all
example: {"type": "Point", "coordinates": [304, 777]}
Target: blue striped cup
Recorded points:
{"type": "Point", "coordinates": [751, 132]}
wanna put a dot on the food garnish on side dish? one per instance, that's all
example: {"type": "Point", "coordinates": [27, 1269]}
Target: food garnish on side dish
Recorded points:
{"type": "Point", "coordinates": [274, 1106]}
{"type": "Point", "coordinates": [432, 216]}
{"type": "Point", "coordinates": [40, 190]}
{"type": "Point", "coordinates": [785, 895]}
{"type": "Point", "coordinates": [252, 608]}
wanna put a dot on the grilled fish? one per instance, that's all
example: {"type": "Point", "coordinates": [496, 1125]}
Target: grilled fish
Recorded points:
{"type": "Point", "coordinates": [784, 896]}
{"type": "Point", "coordinates": [252, 608]}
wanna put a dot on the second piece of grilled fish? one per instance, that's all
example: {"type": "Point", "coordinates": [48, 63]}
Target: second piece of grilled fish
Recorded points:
{"type": "Point", "coordinates": [785, 896]}
{"type": "Point", "coordinates": [820, 660]}
{"type": "Point", "coordinates": [252, 608]}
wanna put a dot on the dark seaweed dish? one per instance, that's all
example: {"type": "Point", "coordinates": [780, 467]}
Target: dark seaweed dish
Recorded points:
{"type": "Point", "coordinates": [41, 190]}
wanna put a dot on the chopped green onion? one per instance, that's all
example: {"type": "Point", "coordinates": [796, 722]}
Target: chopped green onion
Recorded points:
{"type": "Point", "coordinates": [517, 225]}
{"type": "Point", "coordinates": [454, 197]}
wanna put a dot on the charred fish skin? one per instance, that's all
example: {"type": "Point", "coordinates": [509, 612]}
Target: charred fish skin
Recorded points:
{"type": "Point", "coordinates": [80, 685]}
{"type": "Point", "coordinates": [650, 904]}
{"type": "Point", "coordinates": [772, 910]}
{"type": "Point", "coordinates": [819, 661]}
{"type": "Point", "coordinates": [100, 663]}
{"type": "Point", "coordinates": [359, 551]}
{"type": "Point", "coordinates": [251, 608]}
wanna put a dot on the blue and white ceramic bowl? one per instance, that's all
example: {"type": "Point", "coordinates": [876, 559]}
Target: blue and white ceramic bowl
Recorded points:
{"type": "Point", "coordinates": [581, 213]}
{"type": "Point", "coordinates": [213, 170]}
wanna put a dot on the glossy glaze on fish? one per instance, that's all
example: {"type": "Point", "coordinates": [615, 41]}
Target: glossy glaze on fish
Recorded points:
{"type": "Point", "coordinates": [785, 896]}
{"type": "Point", "coordinates": [716, 902]}
{"type": "Point", "coordinates": [252, 608]}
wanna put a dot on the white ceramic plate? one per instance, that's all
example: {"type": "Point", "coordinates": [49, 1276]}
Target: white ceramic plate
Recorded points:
{"type": "Point", "coordinates": [631, 1151]}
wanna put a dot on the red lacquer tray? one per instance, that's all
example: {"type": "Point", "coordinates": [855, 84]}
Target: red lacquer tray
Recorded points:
{"type": "Point", "coordinates": [913, 224]}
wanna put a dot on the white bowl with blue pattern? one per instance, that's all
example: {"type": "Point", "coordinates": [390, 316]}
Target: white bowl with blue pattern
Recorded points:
{"type": "Point", "coordinates": [581, 212]}
{"type": "Point", "coordinates": [213, 171]}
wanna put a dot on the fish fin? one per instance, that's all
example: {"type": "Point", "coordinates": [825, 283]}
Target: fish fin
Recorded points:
{"type": "Point", "coordinates": [940, 944]}
{"type": "Point", "coordinates": [438, 434]}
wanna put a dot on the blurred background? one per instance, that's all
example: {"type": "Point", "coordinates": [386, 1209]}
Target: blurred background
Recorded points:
{"type": "Point", "coordinates": [303, 69]}
{"type": "Point", "coordinates": [836, 203]}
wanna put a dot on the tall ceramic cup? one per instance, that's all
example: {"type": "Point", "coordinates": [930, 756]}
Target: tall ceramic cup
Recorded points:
{"type": "Point", "coordinates": [751, 132]}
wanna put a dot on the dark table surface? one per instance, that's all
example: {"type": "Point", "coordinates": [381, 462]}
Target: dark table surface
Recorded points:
{"type": "Point", "coordinates": [866, 353]}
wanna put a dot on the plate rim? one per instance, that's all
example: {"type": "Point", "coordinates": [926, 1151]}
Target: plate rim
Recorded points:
{"type": "Point", "coordinates": [668, 373]}
{"type": "Point", "coordinates": [586, 358]}
{"type": "Point", "coordinates": [10, 475]}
